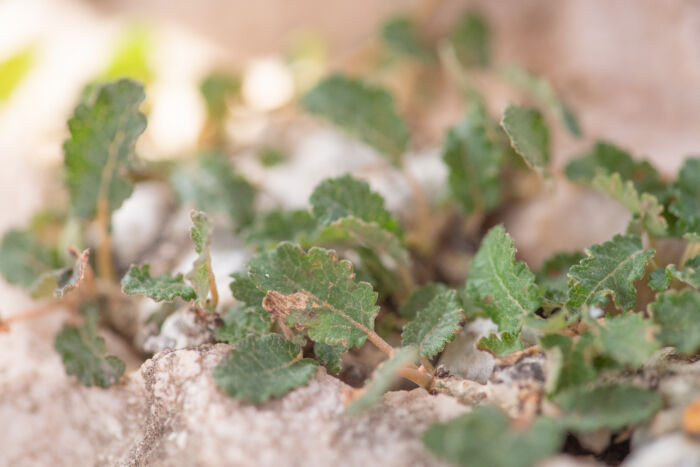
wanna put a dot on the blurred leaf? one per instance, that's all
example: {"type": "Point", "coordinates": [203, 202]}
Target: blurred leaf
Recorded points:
{"type": "Point", "coordinates": [329, 355]}
{"type": "Point", "coordinates": [504, 288]}
{"type": "Point", "coordinates": [23, 259]}
{"type": "Point", "coordinates": [610, 269]}
{"type": "Point", "coordinates": [272, 227]}
{"type": "Point", "coordinates": [14, 69]}
{"type": "Point", "coordinates": [382, 379]}
{"type": "Point", "coordinates": [201, 274]}
{"type": "Point", "coordinates": [241, 322]}
{"type": "Point", "coordinates": [541, 90]}
{"type": "Point", "coordinates": [473, 161]}
{"type": "Point", "coordinates": [270, 157]}
{"type": "Point", "coordinates": [138, 280]}
{"type": "Point", "coordinates": [210, 183]}
{"type": "Point", "coordinates": [218, 89]}
{"type": "Point", "coordinates": [484, 437]}
{"type": "Point", "coordinates": [131, 57]}
{"type": "Point", "coordinates": [627, 338]}
{"type": "Point", "coordinates": [101, 147]}
{"type": "Point", "coordinates": [260, 367]}
{"type": "Point", "coordinates": [84, 353]}
{"type": "Point", "coordinates": [421, 298]}
{"type": "Point", "coordinates": [365, 112]}
{"type": "Point", "coordinates": [471, 39]}
{"type": "Point", "coordinates": [571, 362]}
{"type": "Point", "coordinates": [552, 277]}
{"type": "Point", "coordinates": [528, 134]}
{"type": "Point", "coordinates": [401, 36]}
{"type": "Point", "coordinates": [678, 315]}
{"type": "Point", "coordinates": [502, 345]}
{"type": "Point", "coordinates": [614, 407]}
{"type": "Point", "coordinates": [689, 274]}
{"type": "Point", "coordinates": [686, 193]}
{"type": "Point", "coordinates": [435, 325]}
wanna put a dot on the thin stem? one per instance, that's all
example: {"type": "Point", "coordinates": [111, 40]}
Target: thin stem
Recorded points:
{"type": "Point", "coordinates": [381, 344]}
{"type": "Point", "coordinates": [105, 269]}
{"type": "Point", "coordinates": [427, 365]}
{"type": "Point", "coordinates": [412, 373]}
{"type": "Point", "coordinates": [212, 289]}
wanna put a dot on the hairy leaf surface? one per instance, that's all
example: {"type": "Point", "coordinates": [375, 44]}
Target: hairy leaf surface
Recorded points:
{"type": "Point", "coordinates": [678, 315]}
{"type": "Point", "coordinates": [435, 325]}
{"type": "Point", "coordinates": [138, 280]}
{"type": "Point", "coordinates": [627, 338]}
{"type": "Point", "coordinates": [241, 322]}
{"type": "Point", "coordinates": [502, 345]}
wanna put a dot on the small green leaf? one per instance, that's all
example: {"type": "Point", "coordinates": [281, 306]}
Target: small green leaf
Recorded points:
{"type": "Point", "coordinates": [23, 259]}
{"type": "Point", "coordinates": [84, 353]}
{"type": "Point", "coordinates": [241, 322]}
{"type": "Point", "coordinates": [473, 161]}
{"type": "Point", "coordinates": [218, 89]}
{"type": "Point", "coordinates": [689, 274]}
{"type": "Point", "coordinates": [627, 338]}
{"type": "Point", "coordinates": [572, 363]}
{"type": "Point", "coordinates": [101, 147]}
{"type": "Point", "coordinates": [245, 290]}
{"type": "Point", "coordinates": [435, 325]}
{"type": "Point", "coordinates": [610, 269]}
{"type": "Point", "coordinates": [686, 192]}
{"type": "Point", "coordinates": [678, 315]}
{"type": "Point", "coordinates": [606, 158]}
{"type": "Point", "coordinates": [528, 134]}
{"type": "Point", "coordinates": [614, 407]}
{"type": "Point", "coordinates": [336, 198]}
{"type": "Point", "coordinates": [645, 208]}
{"type": "Point", "coordinates": [504, 288]}
{"type": "Point", "coordinates": [502, 345]}
{"type": "Point", "coordinates": [329, 355]}
{"type": "Point", "coordinates": [471, 39]}
{"type": "Point", "coordinates": [201, 274]}
{"type": "Point", "coordinates": [421, 298]}
{"type": "Point", "coordinates": [485, 438]}
{"type": "Point", "coordinates": [401, 37]}
{"type": "Point", "coordinates": [660, 279]}
{"type": "Point", "coordinates": [552, 277]}
{"type": "Point", "coordinates": [315, 291]}
{"type": "Point", "coordinates": [14, 69]}
{"type": "Point", "coordinates": [260, 367]}
{"type": "Point", "coordinates": [541, 90]}
{"type": "Point", "coordinates": [138, 280]}
{"type": "Point", "coordinates": [382, 379]}
{"type": "Point", "coordinates": [364, 111]}
{"type": "Point", "coordinates": [70, 278]}
{"type": "Point", "coordinates": [211, 185]}
{"type": "Point", "coordinates": [272, 227]}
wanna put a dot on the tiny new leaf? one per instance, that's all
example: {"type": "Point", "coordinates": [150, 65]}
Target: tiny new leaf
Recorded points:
{"type": "Point", "coordinates": [101, 147]}
{"type": "Point", "coordinates": [382, 379]}
{"type": "Point", "coordinates": [609, 269]}
{"type": "Point", "coordinates": [260, 367]}
{"type": "Point", "coordinates": [201, 274]}
{"type": "Point", "coordinates": [70, 278]}
{"type": "Point", "coordinates": [500, 346]}
{"type": "Point", "coordinates": [314, 291]}
{"type": "Point", "coordinates": [678, 316]}
{"type": "Point", "coordinates": [473, 161]}
{"type": "Point", "coordinates": [435, 325]}
{"type": "Point", "coordinates": [138, 280]}
{"type": "Point", "coordinates": [401, 36]}
{"type": "Point", "coordinates": [336, 198]}
{"type": "Point", "coordinates": [84, 353]}
{"type": "Point", "coordinates": [528, 134]}
{"type": "Point", "coordinates": [484, 437]}
{"type": "Point", "coordinates": [504, 288]}
{"type": "Point", "coordinates": [364, 111]}
{"type": "Point", "coordinates": [586, 409]}
{"type": "Point", "coordinates": [689, 274]}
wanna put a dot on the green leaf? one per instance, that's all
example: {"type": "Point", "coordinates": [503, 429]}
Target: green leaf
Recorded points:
{"type": "Point", "coordinates": [421, 298]}
{"type": "Point", "coordinates": [101, 147]}
{"type": "Point", "coordinates": [401, 36]}
{"type": "Point", "coordinates": [610, 269]}
{"type": "Point", "coordinates": [14, 69]}
{"type": "Point", "coordinates": [627, 338]}
{"type": "Point", "coordinates": [245, 290]}
{"type": "Point", "coordinates": [71, 277]}
{"type": "Point", "coordinates": [660, 279]}
{"type": "Point", "coordinates": [316, 292]}
{"type": "Point", "coordinates": [552, 277]}
{"type": "Point", "coordinates": [364, 111]}
{"type": "Point", "coordinates": [329, 355]}
{"type": "Point", "coordinates": [484, 437]}
{"type": "Point", "coordinates": [272, 227]}
{"type": "Point", "coordinates": [571, 362]}
{"type": "Point", "coordinates": [645, 208]}
{"type": "Point", "coordinates": [241, 322]}
{"type": "Point", "coordinates": [504, 288]}
{"type": "Point", "coordinates": [473, 160]}
{"type": "Point", "coordinates": [528, 134]}
{"type": "Point", "coordinates": [210, 183]}
{"type": "Point", "coordinates": [23, 259]}
{"type": "Point", "coordinates": [336, 198]}
{"type": "Point", "coordinates": [138, 280]}
{"type": "Point", "coordinates": [502, 345]}
{"type": "Point", "coordinates": [217, 89]}
{"type": "Point", "coordinates": [689, 274]}
{"type": "Point", "coordinates": [84, 353]}
{"type": "Point", "coordinates": [541, 90]}
{"type": "Point", "coordinates": [260, 367]}
{"type": "Point", "coordinates": [471, 39]}
{"type": "Point", "coordinates": [201, 274]}
{"type": "Point", "coordinates": [382, 379]}
{"type": "Point", "coordinates": [435, 325]}
{"type": "Point", "coordinates": [686, 192]}
{"type": "Point", "coordinates": [606, 158]}
{"type": "Point", "coordinates": [678, 315]}
{"type": "Point", "coordinates": [589, 409]}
